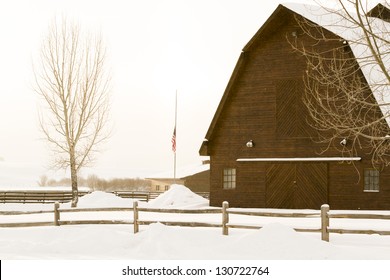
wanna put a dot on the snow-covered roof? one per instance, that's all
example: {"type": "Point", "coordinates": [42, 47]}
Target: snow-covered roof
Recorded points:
{"type": "Point", "coordinates": [321, 159]}
{"type": "Point", "coordinates": [182, 172]}
{"type": "Point", "coordinates": [346, 29]}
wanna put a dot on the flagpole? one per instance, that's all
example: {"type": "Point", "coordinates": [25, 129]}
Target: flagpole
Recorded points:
{"type": "Point", "coordinates": [174, 153]}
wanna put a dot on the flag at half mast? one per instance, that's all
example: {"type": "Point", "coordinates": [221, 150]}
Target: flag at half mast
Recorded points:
{"type": "Point", "coordinates": [174, 140]}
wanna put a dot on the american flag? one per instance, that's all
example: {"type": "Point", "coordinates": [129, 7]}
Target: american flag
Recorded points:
{"type": "Point", "coordinates": [174, 140]}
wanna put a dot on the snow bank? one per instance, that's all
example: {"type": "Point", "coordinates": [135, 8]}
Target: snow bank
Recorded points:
{"type": "Point", "coordinates": [273, 241]}
{"type": "Point", "coordinates": [101, 199]}
{"type": "Point", "coordinates": [179, 196]}
{"type": "Point", "coordinates": [277, 241]}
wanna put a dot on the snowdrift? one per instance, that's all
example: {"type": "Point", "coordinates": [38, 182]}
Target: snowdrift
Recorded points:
{"type": "Point", "coordinates": [179, 196]}
{"type": "Point", "coordinates": [99, 199]}
{"type": "Point", "coordinates": [273, 242]}
{"type": "Point", "coordinates": [157, 241]}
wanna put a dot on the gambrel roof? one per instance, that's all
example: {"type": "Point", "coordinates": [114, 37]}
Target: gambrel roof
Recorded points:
{"type": "Point", "coordinates": [381, 11]}
{"type": "Point", "coordinates": [346, 30]}
{"type": "Point", "coordinates": [355, 37]}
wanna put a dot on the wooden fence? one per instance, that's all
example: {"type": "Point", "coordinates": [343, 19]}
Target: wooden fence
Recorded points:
{"type": "Point", "coordinates": [137, 222]}
{"type": "Point", "coordinates": [326, 229]}
{"type": "Point", "coordinates": [66, 196]}
{"type": "Point", "coordinates": [142, 196]}
{"type": "Point", "coordinates": [37, 196]}
{"type": "Point", "coordinates": [226, 212]}
{"type": "Point", "coordinates": [324, 215]}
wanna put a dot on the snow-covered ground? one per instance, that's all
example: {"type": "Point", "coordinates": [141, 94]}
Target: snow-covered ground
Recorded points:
{"type": "Point", "coordinates": [276, 240]}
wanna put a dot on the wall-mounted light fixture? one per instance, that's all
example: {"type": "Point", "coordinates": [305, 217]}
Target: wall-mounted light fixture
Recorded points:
{"type": "Point", "coordinates": [294, 34]}
{"type": "Point", "coordinates": [343, 142]}
{"type": "Point", "coordinates": [250, 144]}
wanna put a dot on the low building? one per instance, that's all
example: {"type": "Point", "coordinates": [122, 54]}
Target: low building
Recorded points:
{"type": "Point", "coordinates": [196, 178]}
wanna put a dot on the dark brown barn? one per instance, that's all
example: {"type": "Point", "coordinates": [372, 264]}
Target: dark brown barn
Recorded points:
{"type": "Point", "coordinates": [261, 149]}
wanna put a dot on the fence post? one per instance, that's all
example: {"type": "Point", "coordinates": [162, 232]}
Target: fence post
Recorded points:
{"type": "Point", "coordinates": [56, 213]}
{"type": "Point", "coordinates": [325, 222]}
{"type": "Point", "coordinates": [225, 218]}
{"type": "Point", "coordinates": [135, 217]}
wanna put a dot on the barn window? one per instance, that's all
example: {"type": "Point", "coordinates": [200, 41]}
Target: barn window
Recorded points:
{"type": "Point", "coordinates": [166, 187]}
{"type": "Point", "coordinates": [371, 180]}
{"type": "Point", "coordinates": [229, 178]}
{"type": "Point", "coordinates": [157, 187]}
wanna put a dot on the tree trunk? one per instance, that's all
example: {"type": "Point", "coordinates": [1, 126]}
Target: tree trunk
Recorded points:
{"type": "Point", "coordinates": [73, 178]}
{"type": "Point", "coordinates": [74, 86]}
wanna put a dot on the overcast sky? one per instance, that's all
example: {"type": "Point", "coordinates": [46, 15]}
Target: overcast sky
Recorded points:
{"type": "Point", "coordinates": [155, 47]}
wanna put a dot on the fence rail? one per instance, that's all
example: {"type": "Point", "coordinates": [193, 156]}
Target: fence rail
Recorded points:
{"type": "Point", "coordinates": [37, 196]}
{"type": "Point", "coordinates": [142, 196]}
{"type": "Point", "coordinates": [326, 229]}
{"type": "Point", "coordinates": [45, 196]}
{"type": "Point", "coordinates": [137, 221]}
{"type": "Point", "coordinates": [324, 215]}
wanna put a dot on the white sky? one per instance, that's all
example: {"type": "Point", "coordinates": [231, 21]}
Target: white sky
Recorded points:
{"type": "Point", "coordinates": [155, 47]}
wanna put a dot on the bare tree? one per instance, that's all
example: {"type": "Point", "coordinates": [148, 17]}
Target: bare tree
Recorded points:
{"type": "Point", "coordinates": [348, 81]}
{"type": "Point", "coordinates": [43, 179]}
{"type": "Point", "coordinates": [72, 80]}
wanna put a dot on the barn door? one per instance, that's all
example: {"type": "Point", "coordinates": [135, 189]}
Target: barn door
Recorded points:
{"type": "Point", "coordinates": [280, 186]}
{"type": "Point", "coordinates": [296, 185]}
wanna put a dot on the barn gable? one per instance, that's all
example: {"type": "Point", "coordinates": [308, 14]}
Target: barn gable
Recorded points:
{"type": "Point", "coordinates": [261, 57]}
{"type": "Point", "coordinates": [271, 24]}
{"type": "Point", "coordinates": [262, 151]}
{"type": "Point", "coordinates": [380, 11]}
{"type": "Point", "coordinates": [335, 25]}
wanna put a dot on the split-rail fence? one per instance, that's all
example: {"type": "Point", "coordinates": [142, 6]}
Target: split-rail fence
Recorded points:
{"type": "Point", "coordinates": [51, 196]}
{"type": "Point", "coordinates": [325, 215]}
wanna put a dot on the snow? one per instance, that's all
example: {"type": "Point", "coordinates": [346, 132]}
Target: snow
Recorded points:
{"type": "Point", "coordinates": [303, 159]}
{"type": "Point", "coordinates": [276, 240]}
{"type": "Point", "coordinates": [101, 199]}
{"type": "Point", "coordinates": [179, 197]}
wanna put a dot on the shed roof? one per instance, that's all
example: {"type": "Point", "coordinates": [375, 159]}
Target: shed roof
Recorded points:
{"type": "Point", "coordinates": [182, 172]}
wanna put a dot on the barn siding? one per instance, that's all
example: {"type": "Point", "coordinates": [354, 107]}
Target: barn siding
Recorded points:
{"type": "Point", "coordinates": [250, 112]}
{"type": "Point", "coordinates": [347, 187]}
{"type": "Point", "coordinates": [250, 190]}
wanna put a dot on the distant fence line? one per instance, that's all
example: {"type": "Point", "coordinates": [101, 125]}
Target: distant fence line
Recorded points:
{"type": "Point", "coordinates": [324, 215]}
{"type": "Point", "coordinates": [45, 196]}
{"type": "Point", "coordinates": [37, 196]}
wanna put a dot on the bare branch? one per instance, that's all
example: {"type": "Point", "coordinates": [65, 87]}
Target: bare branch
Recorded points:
{"type": "Point", "coordinates": [347, 81]}
{"type": "Point", "coordinates": [74, 88]}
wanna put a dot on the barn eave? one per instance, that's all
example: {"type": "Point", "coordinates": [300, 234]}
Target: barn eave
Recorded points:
{"type": "Point", "coordinates": [300, 159]}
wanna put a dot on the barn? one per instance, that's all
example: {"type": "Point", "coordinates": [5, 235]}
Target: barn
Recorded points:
{"type": "Point", "coordinates": [263, 153]}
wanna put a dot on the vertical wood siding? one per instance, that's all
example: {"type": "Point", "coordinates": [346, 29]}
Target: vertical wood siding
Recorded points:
{"type": "Point", "coordinates": [265, 105]}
